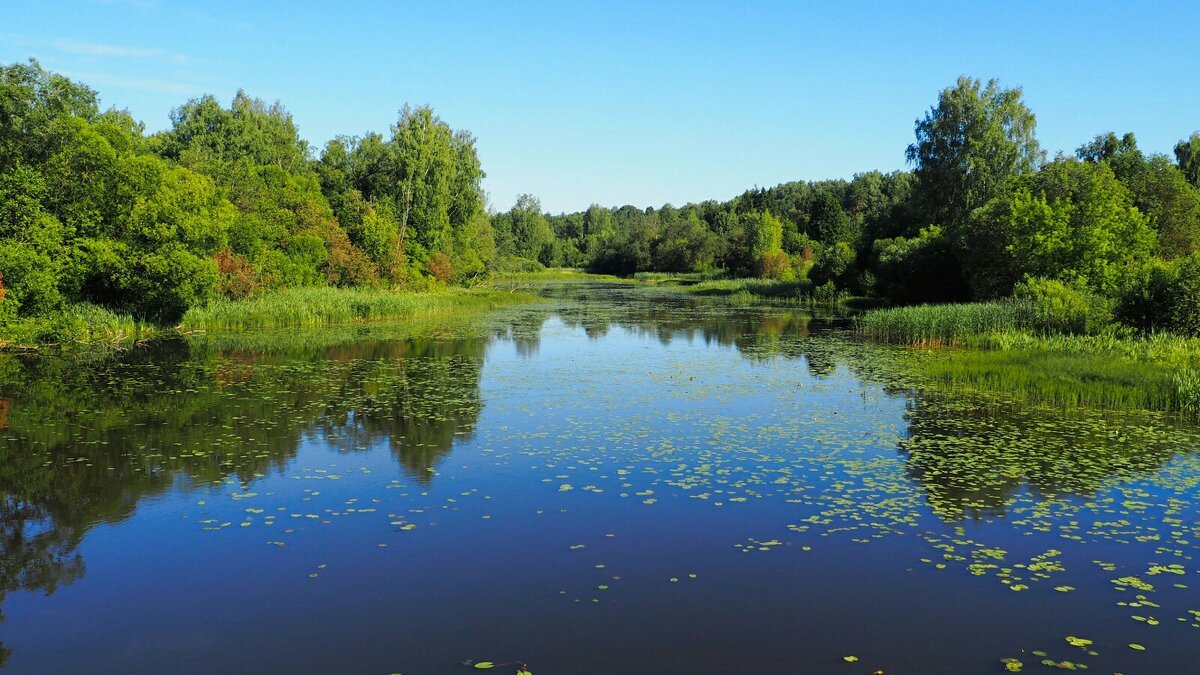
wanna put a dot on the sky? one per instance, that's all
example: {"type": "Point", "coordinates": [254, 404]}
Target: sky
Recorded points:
{"type": "Point", "coordinates": [642, 103]}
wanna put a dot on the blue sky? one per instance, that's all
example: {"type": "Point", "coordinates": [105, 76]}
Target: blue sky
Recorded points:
{"type": "Point", "coordinates": [640, 103]}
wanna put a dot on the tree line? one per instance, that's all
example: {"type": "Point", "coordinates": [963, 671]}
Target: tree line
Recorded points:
{"type": "Point", "coordinates": [231, 201]}
{"type": "Point", "coordinates": [983, 214]}
{"type": "Point", "coordinates": [228, 201]}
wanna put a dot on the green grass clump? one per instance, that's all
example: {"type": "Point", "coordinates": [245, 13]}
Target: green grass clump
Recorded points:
{"type": "Point", "coordinates": [1024, 349]}
{"type": "Point", "coordinates": [1166, 349]}
{"type": "Point", "coordinates": [682, 278]}
{"type": "Point", "coordinates": [552, 274]}
{"type": "Point", "coordinates": [79, 324]}
{"type": "Point", "coordinates": [763, 288]}
{"type": "Point", "coordinates": [297, 307]}
{"type": "Point", "coordinates": [1155, 372]}
{"type": "Point", "coordinates": [939, 324]}
{"type": "Point", "coordinates": [1187, 390]}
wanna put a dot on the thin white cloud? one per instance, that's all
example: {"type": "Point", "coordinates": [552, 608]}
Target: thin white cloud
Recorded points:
{"type": "Point", "coordinates": [139, 83]}
{"type": "Point", "coordinates": [139, 4]}
{"type": "Point", "coordinates": [119, 51]}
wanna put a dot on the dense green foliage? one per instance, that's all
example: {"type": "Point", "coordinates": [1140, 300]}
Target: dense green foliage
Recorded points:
{"type": "Point", "coordinates": [1112, 232]}
{"type": "Point", "coordinates": [226, 203]}
{"type": "Point", "coordinates": [99, 219]}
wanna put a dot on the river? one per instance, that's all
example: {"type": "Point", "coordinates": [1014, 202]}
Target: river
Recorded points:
{"type": "Point", "coordinates": [620, 479]}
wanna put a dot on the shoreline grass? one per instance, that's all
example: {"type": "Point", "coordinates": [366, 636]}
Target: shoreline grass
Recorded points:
{"type": "Point", "coordinates": [82, 324]}
{"type": "Point", "coordinates": [1011, 347]}
{"type": "Point", "coordinates": [933, 325]}
{"type": "Point", "coordinates": [554, 274]}
{"type": "Point", "coordinates": [1060, 378]}
{"type": "Point", "coordinates": [308, 307]}
{"type": "Point", "coordinates": [762, 288]}
{"type": "Point", "coordinates": [85, 326]}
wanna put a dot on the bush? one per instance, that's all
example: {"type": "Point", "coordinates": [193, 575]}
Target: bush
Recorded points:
{"type": "Point", "coordinates": [511, 264]}
{"type": "Point", "coordinates": [827, 294]}
{"type": "Point", "coordinates": [1049, 306]}
{"type": "Point", "coordinates": [31, 278]}
{"type": "Point", "coordinates": [440, 267]}
{"type": "Point", "coordinates": [776, 265]}
{"type": "Point", "coordinates": [836, 265]}
{"type": "Point", "coordinates": [918, 269]}
{"type": "Point", "coordinates": [1147, 297]}
{"type": "Point", "coordinates": [167, 283]}
{"type": "Point", "coordinates": [1185, 312]}
{"type": "Point", "coordinates": [1163, 296]}
{"type": "Point", "coordinates": [238, 278]}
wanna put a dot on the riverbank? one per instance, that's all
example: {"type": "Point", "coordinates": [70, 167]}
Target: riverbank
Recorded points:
{"type": "Point", "coordinates": [309, 307]}
{"type": "Point", "coordinates": [800, 292]}
{"type": "Point", "coordinates": [89, 325]}
{"type": "Point", "coordinates": [1023, 349]}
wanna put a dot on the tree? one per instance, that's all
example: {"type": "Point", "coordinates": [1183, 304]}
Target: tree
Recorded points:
{"type": "Point", "coordinates": [1160, 190]}
{"type": "Point", "coordinates": [828, 221]}
{"type": "Point", "coordinates": [684, 246]}
{"type": "Point", "coordinates": [423, 175]}
{"type": "Point", "coordinates": [1073, 222]}
{"type": "Point", "coordinates": [1121, 154]}
{"type": "Point", "coordinates": [759, 237]}
{"type": "Point", "coordinates": [968, 146]}
{"type": "Point", "coordinates": [597, 221]}
{"type": "Point", "coordinates": [531, 235]}
{"type": "Point", "coordinates": [1187, 155]}
{"type": "Point", "coordinates": [835, 265]}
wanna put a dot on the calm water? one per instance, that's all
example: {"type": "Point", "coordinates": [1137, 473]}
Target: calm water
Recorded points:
{"type": "Point", "coordinates": [619, 480]}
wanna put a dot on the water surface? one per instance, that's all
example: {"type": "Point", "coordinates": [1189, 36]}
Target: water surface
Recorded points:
{"type": "Point", "coordinates": [620, 479]}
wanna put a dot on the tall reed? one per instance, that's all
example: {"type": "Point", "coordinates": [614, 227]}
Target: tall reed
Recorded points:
{"type": "Point", "coordinates": [297, 307]}
{"type": "Point", "coordinates": [939, 324]}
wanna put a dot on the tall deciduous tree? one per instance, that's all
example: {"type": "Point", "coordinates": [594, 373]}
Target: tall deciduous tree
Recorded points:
{"type": "Point", "coordinates": [968, 146]}
{"type": "Point", "coordinates": [1187, 155]}
{"type": "Point", "coordinates": [531, 236]}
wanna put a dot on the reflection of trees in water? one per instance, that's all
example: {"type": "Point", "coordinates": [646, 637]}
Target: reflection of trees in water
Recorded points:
{"type": "Point", "coordinates": [524, 331]}
{"type": "Point", "coordinates": [35, 554]}
{"type": "Point", "coordinates": [757, 332]}
{"type": "Point", "coordinates": [85, 443]}
{"type": "Point", "coordinates": [420, 395]}
{"type": "Point", "coordinates": [973, 456]}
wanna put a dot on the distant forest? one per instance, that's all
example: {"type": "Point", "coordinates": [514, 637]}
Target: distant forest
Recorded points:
{"type": "Point", "coordinates": [231, 201]}
{"type": "Point", "coordinates": [983, 214]}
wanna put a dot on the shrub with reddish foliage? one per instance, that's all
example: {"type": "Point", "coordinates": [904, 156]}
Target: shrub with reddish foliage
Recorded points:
{"type": "Point", "coordinates": [238, 278]}
{"type": "Point", "coordinates": [775, 264]}
{"type": "Point", "coordinates": [440, 267]}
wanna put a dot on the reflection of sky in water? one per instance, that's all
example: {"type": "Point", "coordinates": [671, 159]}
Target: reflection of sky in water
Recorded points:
{"type": "Point", "coordinates": [404, 504]}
